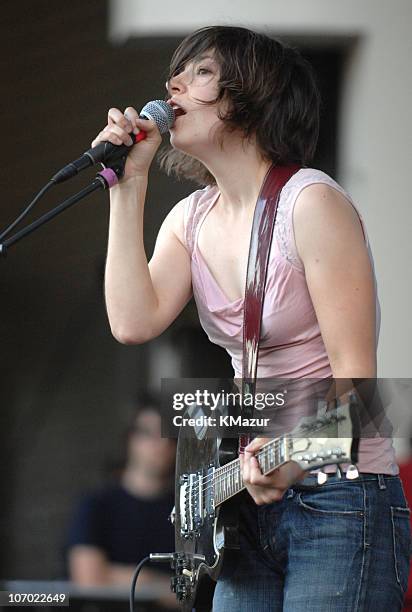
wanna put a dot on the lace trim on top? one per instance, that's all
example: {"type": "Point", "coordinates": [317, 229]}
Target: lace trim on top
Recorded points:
{"type": "Point", "coordinates": [284, 231]}
{"type": "Point", "coordinates": [282, 227]}
{"type": "Point", "coordinates": [193, 212]}
{"type": "Point", "coordinates": [199, 201]}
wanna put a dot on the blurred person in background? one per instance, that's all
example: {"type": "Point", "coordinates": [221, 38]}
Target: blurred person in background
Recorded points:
{"type": "Point", "coordinates": [114, 528]}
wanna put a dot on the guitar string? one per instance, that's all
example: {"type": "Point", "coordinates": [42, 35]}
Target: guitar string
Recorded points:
{"type": "Point", "coordinates": [230, 466]}
{"type": "Point", "coordinates": [228, 470]}
{"type": "Point", "coordinates": [274, 444]}
{"type": "Point", "coordinates": [209, 485]}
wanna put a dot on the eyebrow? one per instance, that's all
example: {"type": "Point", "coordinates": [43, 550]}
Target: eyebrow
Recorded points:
{"type": "Point", "coordinates": [203, 57]}
{"type": "Point", "coordinates": [196, 59]}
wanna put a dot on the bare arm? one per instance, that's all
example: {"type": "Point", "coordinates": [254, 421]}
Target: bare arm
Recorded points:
{"type": "Point", "coordinates": [142, 299]}
{"type": "Point", "coordinates": [339, 276]}
{"type": "Point", "coordinates": [89, 567]}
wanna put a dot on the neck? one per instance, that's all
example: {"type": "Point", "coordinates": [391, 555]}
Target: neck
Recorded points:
{"type": "Point", "coordinates": [239, 170]}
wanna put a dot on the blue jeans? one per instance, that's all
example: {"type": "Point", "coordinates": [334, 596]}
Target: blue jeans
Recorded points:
{"type": "Point", "coordinates": [343, 546]}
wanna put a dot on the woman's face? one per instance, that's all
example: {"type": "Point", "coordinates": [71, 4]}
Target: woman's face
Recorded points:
{"type": "Point", "coordinates": [196, 128]}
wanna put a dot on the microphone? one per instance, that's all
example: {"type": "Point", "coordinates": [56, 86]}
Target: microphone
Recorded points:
{"type": "Point", "coordinates": [105, 152]}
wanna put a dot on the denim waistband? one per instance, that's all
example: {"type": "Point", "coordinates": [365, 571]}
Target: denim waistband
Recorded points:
{"type": "Point", "coordinates": [311, 480]}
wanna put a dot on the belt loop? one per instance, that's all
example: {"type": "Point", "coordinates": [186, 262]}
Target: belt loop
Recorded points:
{"type": "Point", "coordinates": [381, 481]}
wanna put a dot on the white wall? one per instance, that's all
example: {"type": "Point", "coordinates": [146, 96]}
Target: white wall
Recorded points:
{"type": "Point", "coordinates": [375, 125]}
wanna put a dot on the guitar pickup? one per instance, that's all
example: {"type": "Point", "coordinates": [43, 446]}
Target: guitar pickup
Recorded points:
{"type": "Point", "coordinates": [191, 502]}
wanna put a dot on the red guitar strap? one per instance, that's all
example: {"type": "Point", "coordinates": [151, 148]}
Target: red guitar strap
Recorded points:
{"type": "Point", "coordinates": [260, 240]}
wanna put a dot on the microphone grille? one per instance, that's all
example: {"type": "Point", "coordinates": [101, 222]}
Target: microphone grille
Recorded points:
{"type": "Point", "coordinates": [161, 113]}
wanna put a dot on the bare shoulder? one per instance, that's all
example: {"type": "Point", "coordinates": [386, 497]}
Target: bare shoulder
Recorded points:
{"type": "Point", "coordinates": [323, 201]}
{"type": "Point", "coordinates": [324, 216]}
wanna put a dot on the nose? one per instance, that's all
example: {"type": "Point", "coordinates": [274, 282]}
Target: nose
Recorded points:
{"type": "Point", "coordinates": [176, 84]}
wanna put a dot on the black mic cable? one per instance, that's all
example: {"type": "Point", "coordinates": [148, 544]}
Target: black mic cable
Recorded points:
{"type": "Point", "coordinates": [26, 211]}
{"type": "Point", "coordinates": [105, 152]}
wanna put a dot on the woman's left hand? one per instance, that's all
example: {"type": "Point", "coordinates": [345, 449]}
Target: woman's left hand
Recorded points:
{"type": "Point", "coordinates": [270, 488]}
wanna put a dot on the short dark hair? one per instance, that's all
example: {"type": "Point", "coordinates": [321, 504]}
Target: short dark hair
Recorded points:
{"type": "Point", "coordinates": [273, 92]}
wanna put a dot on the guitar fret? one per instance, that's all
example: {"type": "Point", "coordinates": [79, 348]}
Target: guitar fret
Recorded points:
{"type": "Point", "coordinates": [263, 461]}
{"type": "Point", "coordinates": [279, 454]}
{"type": "Point", "coordinates": [228, 481]}
{"type": "Point", "coordinates": [270, 456]}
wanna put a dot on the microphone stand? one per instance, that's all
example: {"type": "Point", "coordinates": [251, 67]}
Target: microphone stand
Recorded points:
{"type": "Point", "coordinates": [104, 180]}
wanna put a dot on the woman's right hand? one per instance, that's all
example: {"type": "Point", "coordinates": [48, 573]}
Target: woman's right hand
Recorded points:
{"type": "Point", "coordinates": [119, 126]}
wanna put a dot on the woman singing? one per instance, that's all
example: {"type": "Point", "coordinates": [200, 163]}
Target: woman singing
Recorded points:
{"type": "Point", "coordinates": [245, 102]}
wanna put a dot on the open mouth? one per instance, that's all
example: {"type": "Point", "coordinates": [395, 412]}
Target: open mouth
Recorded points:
{"type": "Point", "coordinates": [178, 110]}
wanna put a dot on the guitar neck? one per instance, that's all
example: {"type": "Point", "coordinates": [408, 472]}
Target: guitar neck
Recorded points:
{"type": "Point", "coordinates": [228, 481]}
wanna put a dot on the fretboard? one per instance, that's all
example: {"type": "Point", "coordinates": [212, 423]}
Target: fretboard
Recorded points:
{"type": "Point", "coordinates": [227, 480]}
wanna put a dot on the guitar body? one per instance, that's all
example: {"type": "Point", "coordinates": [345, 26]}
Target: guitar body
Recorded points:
{"type": "Point", "coordinates": [218, 525]}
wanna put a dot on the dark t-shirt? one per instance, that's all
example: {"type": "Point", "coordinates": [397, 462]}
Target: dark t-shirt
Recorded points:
{"type": "Point", "coordinates": [125, 527]}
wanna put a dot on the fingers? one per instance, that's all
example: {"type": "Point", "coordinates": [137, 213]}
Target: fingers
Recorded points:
{"type": "Point", "coordinates": [256, 444]}
{"type": "Point", "coordinates": [116, 117]}
{"type": "Point", "coordinates": [251, 471]}
{"type": "Point", "coordinates": [114, 134]}
{"type": "Point", "coordinates": [119, 127]}
{"type": "Point", "coordinates": [132, 116]}
{"type": "Point", "coordinates": [138, 124]}
{"type": "Point", "coordinates": [253, 474]}
{"type": "Point", "coordinates": [263, 489]}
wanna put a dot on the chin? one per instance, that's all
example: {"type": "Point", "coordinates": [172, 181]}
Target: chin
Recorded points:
{"type": "Point", "coordinates": [188, 148]}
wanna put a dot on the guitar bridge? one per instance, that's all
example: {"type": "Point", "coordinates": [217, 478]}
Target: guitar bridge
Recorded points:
{"type": "Point", "coordinates": [195, 501]}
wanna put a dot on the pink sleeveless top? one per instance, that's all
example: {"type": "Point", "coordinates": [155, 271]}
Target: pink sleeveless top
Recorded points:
{"type": "Point", "coordinates": [291, 344]}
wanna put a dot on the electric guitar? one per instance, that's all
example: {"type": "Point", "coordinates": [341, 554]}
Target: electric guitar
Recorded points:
{"type": "Point", "coordinates": [207, 476]}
